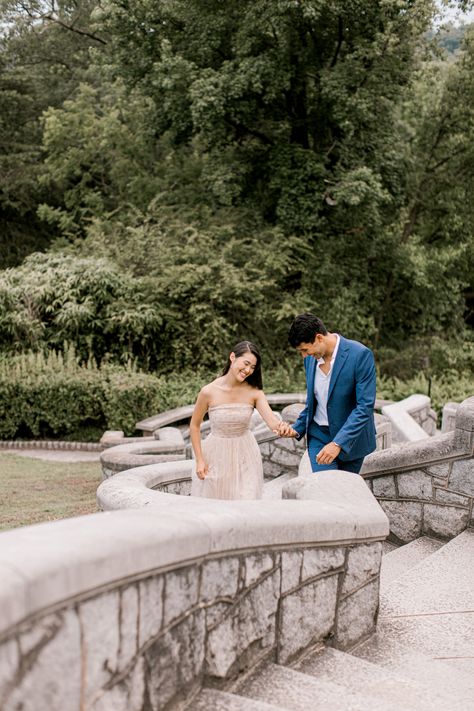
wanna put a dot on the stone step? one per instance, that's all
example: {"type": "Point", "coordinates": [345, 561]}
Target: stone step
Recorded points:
{"type": "Point", "coordinates": [357, 675]}
{"type": "Point", "coordinates": [295, 691]}
{"type": "Point", "coordinates": [214, 700]}
{"type": "Point", "coordinates": [430, 610]}
{"type": "Point", "coordinates": [442, 583]}
{"type": "Point", "coordinates": [397, 562]}
{"type": "Point", "coordinates": [440, 677]}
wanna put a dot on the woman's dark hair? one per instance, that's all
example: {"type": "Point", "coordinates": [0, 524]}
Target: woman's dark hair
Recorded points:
{"type": "Point", "coordinates": [304, 329]}
{"type": "Point", "coordinates": [255, 378]}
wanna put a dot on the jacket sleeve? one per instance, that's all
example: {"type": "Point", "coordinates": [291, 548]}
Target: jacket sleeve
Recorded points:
{"type": "Point", "coordinates": [300, 424]}
{"type": "Point", "coordinates": [365, 390]}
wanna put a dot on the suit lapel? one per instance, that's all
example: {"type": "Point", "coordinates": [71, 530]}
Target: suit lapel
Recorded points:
{"type": "Point", "coordinates": [310, 375]}
{"type": "Point", "coordinates": [342, 353]}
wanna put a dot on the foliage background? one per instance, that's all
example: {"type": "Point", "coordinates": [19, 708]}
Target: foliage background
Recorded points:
{"type": "Point", "coordinates": [178, 176]}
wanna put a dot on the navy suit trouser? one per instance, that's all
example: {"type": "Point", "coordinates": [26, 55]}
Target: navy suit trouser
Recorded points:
{"type": "Point", "coordinates": [317, 437]}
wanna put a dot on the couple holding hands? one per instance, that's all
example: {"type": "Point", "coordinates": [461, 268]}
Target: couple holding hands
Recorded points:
{"type": "Point", "coordinates": [338, 419]}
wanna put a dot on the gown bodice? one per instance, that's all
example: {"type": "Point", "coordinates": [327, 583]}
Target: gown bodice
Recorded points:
{"type": "Point", "coordinates": [230, 420]}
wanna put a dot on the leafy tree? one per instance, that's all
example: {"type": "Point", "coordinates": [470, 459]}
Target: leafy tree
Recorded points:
{"type": "Point", "coordinates": [44, 53]}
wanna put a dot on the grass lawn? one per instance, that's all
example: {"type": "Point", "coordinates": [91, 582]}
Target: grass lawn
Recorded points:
{"type": "Point", "coordinates": [35, 490]}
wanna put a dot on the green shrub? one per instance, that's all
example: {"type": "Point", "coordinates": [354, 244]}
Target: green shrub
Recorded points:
{"type": "Point", "coordinates": [52, 396]}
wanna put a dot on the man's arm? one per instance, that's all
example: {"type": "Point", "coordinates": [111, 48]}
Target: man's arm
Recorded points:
{"type": "Point", "coordinates": [365, 391]}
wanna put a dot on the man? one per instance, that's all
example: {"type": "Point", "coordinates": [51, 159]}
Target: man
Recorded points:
{"type": "Point", "coordinates": [338, 419]}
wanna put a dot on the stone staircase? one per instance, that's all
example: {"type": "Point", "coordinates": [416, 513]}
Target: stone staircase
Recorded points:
{"type": "Point", "coordinates": [420, 659]}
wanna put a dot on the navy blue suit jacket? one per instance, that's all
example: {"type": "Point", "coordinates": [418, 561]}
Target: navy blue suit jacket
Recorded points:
{"type": "Point", "coordinates": [351, 400]}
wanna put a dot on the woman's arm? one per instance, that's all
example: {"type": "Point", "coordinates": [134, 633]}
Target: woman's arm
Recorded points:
{"type": "Point", "coordinates": [273, 422]}
{"type": "Point", "coordinates": [200, 409]}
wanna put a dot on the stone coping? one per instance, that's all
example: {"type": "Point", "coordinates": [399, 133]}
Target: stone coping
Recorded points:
{"type": "Point", "coordinates": [445, 447]}
{"type": "Point", "coordinates": [401, 416]}
{"type": "Point", "coordinates": [51, 444]}
{"type": "Point", "coordinates": [44, 565]}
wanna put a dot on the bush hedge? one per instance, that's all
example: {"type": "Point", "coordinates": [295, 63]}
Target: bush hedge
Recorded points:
{"type": "Point", "coordinates": [52, 396]}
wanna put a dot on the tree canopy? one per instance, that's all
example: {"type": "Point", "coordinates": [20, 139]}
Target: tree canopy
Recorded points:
{"type": "Point", "coordinates": [237, 162]}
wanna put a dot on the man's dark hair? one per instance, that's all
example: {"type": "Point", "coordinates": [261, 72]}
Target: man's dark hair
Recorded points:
{"type": "Point", "coordinates": [304, 329]}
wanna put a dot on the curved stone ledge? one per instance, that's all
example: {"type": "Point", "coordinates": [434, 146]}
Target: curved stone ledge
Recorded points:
{"type": "Point", "coordinates": [167, 445]}
{"type": "Point", "coordinates": [46, 564]}
{"type": "Point", "coordinates": [427, 487]}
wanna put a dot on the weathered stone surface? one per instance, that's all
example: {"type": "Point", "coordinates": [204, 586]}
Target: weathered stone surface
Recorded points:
{"type": "Point", "coordinates": [448, 422]}
{"type": "Point", "coordinates": [461, 479]}
{"type": "Point", "coordinates": [357, 615]}
{"type": "Point", "coordinates": [9, 662]}
{"type": "Point", "coordinates": [284, 457]}
{"type": "Point", "coordinates": [151, 608]}
{"type": "Point", "coordinates": [465, 415]}
{"type": "Point", "coordinates": [175, 660]}
{"type": "Point", "coordinates": [265, 449]}
{"type": "Point", "coordinates": [290, 413]}
{"type": "Point", "coordinates": [181, 592]}
{"type": "Point", "coordinates": [440, 471]}
{"type": "Point", "coordinates": [100, 641]}
{"type": "Point", "coordinates": [128, 645]}
{"type": "Point", "coordinates": [220, 578]}
{"type": "Point", "coordinates": [33, 636]}
{"type": "Point", "coordinates": [126, 695]}
{"type": "Point", "coordinates": [307, 616]}
{"type": "Point", "coordinates": [405, 519]}
{"type": "Point", "coordinates": [250, 627]}
{"type": "Point", "coordinates": [444, 521]}
{"type": "Point", "coordinates": [272, 469]}
{"type": "Point", "coordinates": [53, 682]}
{"type": "Point", "coordinates": [415, 485]}
{"type": "Point", "coordinates": [363, 562]}
{"type": "Point", "coordinates": [383, 486]}
{"type": "Point", "coordinates": [289, 445]}
{"type": "Point", "coordinates": [448, 497]}
{"type": "Point", "coordinates": [321, 560]}
{"type": "Point", "coordinates": [216, 612]}
{"type": "Point", "coordinates": [256, 566]}
{"type": "Point", "coordinates": [291, 564]}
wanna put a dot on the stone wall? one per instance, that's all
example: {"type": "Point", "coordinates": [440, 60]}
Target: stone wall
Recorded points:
{"type": "Point", "coordinates": [427, 487]}
{"type": "Point", "coordinates": [135, 610]}
{"type": "Point", "coordinates": [151, 643]}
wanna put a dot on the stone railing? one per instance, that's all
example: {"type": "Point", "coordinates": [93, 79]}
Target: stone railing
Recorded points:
{"type": "Point", "coordinates": [412, 419]}
{"type": "Point", "coordinates": [279, 455]}
{"type": "Point", "coordinates": [427, 487]}
{"type": "Point", "coordinates": [136, 609]}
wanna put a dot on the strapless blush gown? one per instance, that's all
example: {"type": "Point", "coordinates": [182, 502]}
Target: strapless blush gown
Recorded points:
{"type": "Point", "coordinates": [233, 456]}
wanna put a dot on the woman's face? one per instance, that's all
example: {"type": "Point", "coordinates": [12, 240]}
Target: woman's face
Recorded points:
{"type": "Point", "coordinates": [242, 366]}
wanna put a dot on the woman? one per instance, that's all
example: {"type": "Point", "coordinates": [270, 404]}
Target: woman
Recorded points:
{"type": "Point", "coordinates": [228, 462]}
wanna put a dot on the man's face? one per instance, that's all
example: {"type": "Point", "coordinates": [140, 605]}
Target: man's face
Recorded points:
{"type": "Point", "coordinates": [316, 348]}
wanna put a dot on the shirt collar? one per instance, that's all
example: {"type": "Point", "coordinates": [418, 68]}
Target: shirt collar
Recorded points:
{"type": "Point", "coordinates": [320, 361]}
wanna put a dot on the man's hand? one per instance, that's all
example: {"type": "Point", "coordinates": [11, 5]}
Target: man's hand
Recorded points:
{"type": "Point", "coordinates": [285, 430]}
{"type": "Point", "coordinates": [328, 453]}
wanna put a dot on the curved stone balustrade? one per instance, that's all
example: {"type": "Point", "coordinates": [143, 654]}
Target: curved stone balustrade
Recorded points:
{"type": "Point", "coordinates": [427, 486]}
{"type": "Point", "coordinates": [135, 609]}
{"type": "Point", "coordinates": [412, 418]}
{"type": "Point", "coordinates": [167, 445]}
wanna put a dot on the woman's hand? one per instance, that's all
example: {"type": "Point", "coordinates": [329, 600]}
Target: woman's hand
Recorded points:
{"type": "Point", "coordinates": [285, 430]}
{"type": "Point", "coordinates": [202, 468]}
